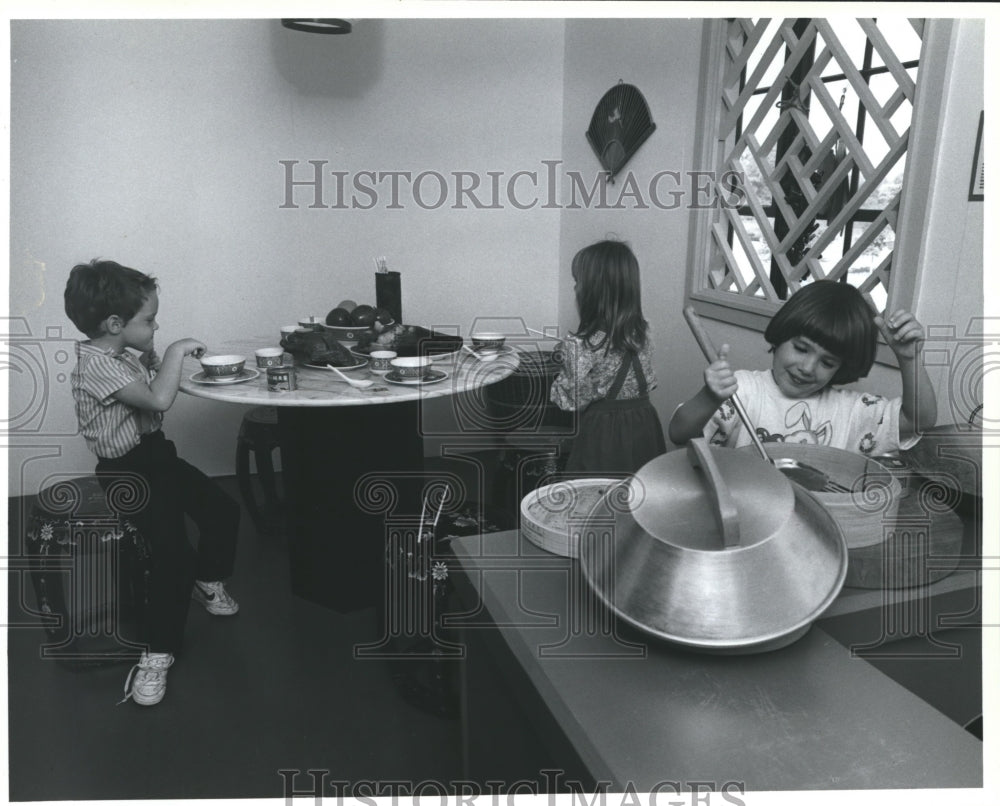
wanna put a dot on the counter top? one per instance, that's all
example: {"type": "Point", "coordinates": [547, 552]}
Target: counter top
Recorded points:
{"type": "Point", "coordinates": [639, 712]}
{"type": "Point", "coordinates": [318, 387]}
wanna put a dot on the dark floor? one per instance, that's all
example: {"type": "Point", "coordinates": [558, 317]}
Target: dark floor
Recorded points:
{"type": "Point", "coordinates": [274, 688]}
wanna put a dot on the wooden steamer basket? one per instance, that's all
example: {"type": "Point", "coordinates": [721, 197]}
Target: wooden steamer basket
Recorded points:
{"type": "Point", "coordinates": [893, 540]}
{"type": "Point", "coordinates": [553, 516]}
{"type": "Point", "coordinates": [714, 550]}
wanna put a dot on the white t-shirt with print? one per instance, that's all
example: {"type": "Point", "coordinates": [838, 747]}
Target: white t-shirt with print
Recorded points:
{"type": "Point", "coordinates": [859, 422]}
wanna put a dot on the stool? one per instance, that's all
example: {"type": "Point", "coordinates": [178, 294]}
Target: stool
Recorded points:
{"type": "Point", "coordinates": [89, 566]}
{"type": "Point", "coordinates": [258, 434]}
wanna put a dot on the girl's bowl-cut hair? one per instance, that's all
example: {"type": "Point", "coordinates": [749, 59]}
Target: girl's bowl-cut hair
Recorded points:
{"type": "Point", "coordinates": [838, 318]}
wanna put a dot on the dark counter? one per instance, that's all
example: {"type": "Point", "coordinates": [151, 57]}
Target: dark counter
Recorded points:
{"type": "Point", "coordinates": [553, 683]}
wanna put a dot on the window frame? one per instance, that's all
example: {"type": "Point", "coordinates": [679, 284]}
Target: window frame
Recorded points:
{"type": "Point", "coordinates": [936, 58]}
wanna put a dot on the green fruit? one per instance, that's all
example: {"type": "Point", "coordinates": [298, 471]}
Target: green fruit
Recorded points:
{"type": "Point", "coordinates": [348, 305]}
{"type": "Point", "coordinates": [363, 316]}
{"type": "Point", "coordinates": [382, 316]}
{"type": "Point", "coordinates": [338, 317]}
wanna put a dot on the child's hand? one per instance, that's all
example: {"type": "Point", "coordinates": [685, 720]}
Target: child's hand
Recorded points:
{"type": "Point", "coordinates": [719, 376]}
{"type": "Point", "coordinates": [902, 332]}
{"type": "Point", "coordinates": [189, 347]}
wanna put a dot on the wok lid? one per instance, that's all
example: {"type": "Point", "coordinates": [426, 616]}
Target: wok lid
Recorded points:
{"type": "Point", "coordinates": [715, 550]}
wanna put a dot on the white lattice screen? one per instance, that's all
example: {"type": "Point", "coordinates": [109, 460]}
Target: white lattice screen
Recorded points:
{"type": "Point", "coordinates": [815, 114]}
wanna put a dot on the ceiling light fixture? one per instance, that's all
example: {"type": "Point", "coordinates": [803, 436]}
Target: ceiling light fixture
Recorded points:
{"type": "Point", "coordinates": [317, 26]}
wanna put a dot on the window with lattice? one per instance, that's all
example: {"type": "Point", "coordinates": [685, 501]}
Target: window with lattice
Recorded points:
{"type": "Point", "coordinates": [815, 114]}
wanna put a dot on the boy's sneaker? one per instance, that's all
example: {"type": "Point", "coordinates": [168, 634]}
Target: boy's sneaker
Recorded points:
{"type": "Point", "coordinates": [147, 681]}
{"type": "Point", "coordinates": [215, 598]}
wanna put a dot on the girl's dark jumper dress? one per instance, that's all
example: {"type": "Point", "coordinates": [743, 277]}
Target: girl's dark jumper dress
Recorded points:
{"type": "Point", "coordinates": [618, 436]}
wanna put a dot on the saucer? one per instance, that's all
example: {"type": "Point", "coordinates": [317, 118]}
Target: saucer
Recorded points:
{"type": "Point", "coordinates": [432, 376]}
{"type": "Point", "coordinates": [503, 349]}
{"type": "Point", "coordinates": [246, 374]}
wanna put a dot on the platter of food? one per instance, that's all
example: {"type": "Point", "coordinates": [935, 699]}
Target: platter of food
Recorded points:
{"type": "Point", "coordinates": [317, 347]}
{"type": "Point", "coordinates": [407, 341]}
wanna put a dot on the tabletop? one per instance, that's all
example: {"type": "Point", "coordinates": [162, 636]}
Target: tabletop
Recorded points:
{"type": "Point", "coordinates": [809, 716]}
{"type": "Point", "coordinates": [318, 387]}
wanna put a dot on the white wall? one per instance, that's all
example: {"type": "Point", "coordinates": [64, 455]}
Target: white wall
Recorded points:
{"type": "Point", "coordinates": [950, 294]}
{"type": "Point", "coordinates": [661, 59]}
{"type": "Point", "coordinates": [157, 143]}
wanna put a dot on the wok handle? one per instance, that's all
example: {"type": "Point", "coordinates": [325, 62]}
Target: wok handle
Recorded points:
{"type": "Point", "coordinates": [727, 516]}
{"type": "Point", "coordinates": [705, 342]}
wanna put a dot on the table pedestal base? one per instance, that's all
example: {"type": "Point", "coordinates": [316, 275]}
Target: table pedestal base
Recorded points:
{"type": "Point", "coordinates": [345, 471]}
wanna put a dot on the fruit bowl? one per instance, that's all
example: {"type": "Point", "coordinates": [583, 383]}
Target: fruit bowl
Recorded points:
{"type": "Point", "coordinates": [349, 322]}
{"type": "Point", "coordinates": [346, 335]}
{"type": "Point", "coordinates": [351, 334]}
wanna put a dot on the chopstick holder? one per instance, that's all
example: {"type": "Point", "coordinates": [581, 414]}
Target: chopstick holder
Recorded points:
{"type": "Point", "coordinates": [388, 294]}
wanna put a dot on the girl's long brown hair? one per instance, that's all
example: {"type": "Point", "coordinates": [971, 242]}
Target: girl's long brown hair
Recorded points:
{"type": "Point", "coordinates": [609, 296]}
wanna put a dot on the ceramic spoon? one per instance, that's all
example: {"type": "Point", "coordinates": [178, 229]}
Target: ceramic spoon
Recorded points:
{"type": "Point", "coordinates": [351, 381]}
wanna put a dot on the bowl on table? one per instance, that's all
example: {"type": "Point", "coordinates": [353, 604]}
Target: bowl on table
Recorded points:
{"type": "Point", "coordinates": [411, 367]}
{"type": "Point", "coordinates": [222, 366]}
{"type": "Point", "coordinates": [311, 322]}
{"type": "Point", "coordinates": [487, 341]}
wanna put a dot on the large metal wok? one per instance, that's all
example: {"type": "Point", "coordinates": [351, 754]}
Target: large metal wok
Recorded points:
{"type": "Point", "coordinates": [715, 550]}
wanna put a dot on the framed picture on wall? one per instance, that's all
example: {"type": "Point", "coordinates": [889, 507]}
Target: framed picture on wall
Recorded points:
{"type": "Point", "coordinates": [976, 184]}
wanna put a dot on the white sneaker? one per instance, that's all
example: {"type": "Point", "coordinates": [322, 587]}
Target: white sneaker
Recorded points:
{"type": "Point", "coordinates": [147, 681]}
{"type": "Point", "coordinates": [215, 598]}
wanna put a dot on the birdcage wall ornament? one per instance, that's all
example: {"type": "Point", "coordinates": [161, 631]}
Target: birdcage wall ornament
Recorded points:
{"type": "Point", "coordinates": [621, 123]}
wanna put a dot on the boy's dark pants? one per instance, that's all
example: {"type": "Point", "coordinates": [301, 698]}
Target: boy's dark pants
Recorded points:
{"type": "Point", "coordinates": [175, 488]}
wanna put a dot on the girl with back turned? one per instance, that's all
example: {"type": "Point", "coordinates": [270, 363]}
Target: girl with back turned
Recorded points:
{"type": "Point", "coordinates": [608, 371]}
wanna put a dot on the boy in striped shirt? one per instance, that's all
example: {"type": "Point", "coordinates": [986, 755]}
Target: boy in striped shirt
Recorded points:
{"type": "Point", "coordinates": [120, 397]}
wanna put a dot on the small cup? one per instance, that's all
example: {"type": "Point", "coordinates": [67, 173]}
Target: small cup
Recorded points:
{"type": "Point", "coordinates": [269, 357]}
{"type": "Point", "coordinates": [311, 323]}
{"type": "Point", "coordinates": [411, 367]}
{"type": "Point", "coordinates": [288, 330]}
{"type": "Point", "coordinates": [488, 342]}
{"type": "Point", "coordinates": [380, 361]}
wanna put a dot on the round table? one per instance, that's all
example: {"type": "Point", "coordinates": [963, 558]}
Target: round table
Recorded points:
{"type": "Point", "coordinates": [352, 460]}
